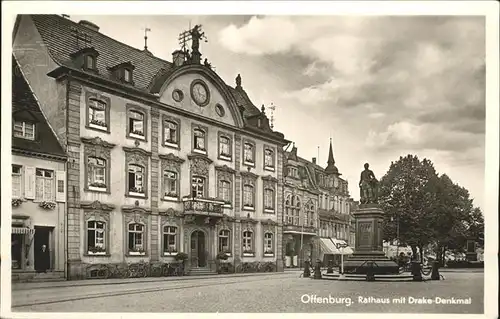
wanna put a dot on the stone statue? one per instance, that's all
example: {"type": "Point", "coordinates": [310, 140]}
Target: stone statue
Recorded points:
{"type": "Point", "coordinates": [207, 64]}
{"type": "Point", "coordinates": [238, 80]}
{"type": "Point", "coordinates": [368, 185]}
{"type": "Point", "coordinates": [196, 35]}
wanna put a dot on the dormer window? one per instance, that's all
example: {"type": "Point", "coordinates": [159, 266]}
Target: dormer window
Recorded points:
{"type": "Point", "coordinates": [127, 75]}
{"type": "Point", "coordinates": [123, 72]}
{"type": "Point", "coordinates": [24, 130]}
{"type": "Point", "coordinates": [89, 62]}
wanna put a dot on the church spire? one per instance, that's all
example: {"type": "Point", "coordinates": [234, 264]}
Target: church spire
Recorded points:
{"type": "Point", "coordinates": [331, 168]}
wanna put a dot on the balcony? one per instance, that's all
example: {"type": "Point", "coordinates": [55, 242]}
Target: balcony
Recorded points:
{"type": "Point", "coordinates": [203, 206]}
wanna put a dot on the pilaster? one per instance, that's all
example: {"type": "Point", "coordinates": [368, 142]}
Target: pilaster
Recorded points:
{"type": "Point", "coordinates": [155, 183]}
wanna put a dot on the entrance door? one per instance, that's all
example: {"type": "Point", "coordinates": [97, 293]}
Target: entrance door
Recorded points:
{"type": "Point", "coordinates": [198, 249]}
{"type": "Point", "coordinates": [43, 258]}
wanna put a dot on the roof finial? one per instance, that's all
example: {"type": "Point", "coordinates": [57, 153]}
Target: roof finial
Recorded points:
{"type": "Point", "coordinates": [263, 109]}
{"type": "Point", "coordinates": [146, 38]}
{"type": "Point", "coordinates": [331, 160]}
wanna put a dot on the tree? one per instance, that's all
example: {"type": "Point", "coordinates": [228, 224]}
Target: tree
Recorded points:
{"type": "Point", "coordinates": [406, 196]}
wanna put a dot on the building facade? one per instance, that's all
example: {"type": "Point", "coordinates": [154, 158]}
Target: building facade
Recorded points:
{"type": "Point", "coordinates": [317, 210]}
{"type": "Point", "coordinates": [163, 157]}
{"type": "Point", "coordinates": [38, 189]}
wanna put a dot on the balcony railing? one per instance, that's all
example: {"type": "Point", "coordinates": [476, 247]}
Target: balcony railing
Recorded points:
{"type": "Point", "coordinates": [203, 206]}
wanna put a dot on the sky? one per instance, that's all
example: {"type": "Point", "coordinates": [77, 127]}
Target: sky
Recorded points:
{"type": "Point", "coordinates": [379, 87]}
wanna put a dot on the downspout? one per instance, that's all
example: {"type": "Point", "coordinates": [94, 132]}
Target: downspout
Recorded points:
{"type": "Point", "coordinates": [66, 264]}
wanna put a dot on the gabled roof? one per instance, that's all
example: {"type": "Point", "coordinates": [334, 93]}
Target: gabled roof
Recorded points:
{"type": "Point", "coordinates": [25, 106]}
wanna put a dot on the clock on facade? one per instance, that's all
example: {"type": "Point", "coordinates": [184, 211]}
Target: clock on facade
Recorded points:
{"type": "Point", "coordinates": [177, 95]}
{"type": "Point", "coordinates": [200, 93]}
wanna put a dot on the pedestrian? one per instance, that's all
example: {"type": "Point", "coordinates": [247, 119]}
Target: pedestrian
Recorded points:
{"type": "Point", "coordinates": [43, 259]}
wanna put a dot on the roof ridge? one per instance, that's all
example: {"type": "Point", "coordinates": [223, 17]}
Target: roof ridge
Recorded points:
{"type": "Point", "coordinates": [105, 35]}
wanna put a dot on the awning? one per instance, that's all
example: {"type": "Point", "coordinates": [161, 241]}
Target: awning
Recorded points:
{"type": "Point", "coordinates": [298, 233]}
{"type": "Point", "coordinates": [23, 230]}
{"type": "Point", "coordinates": [332, 246]}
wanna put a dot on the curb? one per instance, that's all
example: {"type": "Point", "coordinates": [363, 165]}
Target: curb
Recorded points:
{"type": "Point", "coordinates": [124, 281]}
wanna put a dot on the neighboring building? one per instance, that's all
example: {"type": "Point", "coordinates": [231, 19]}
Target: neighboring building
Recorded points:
{"type": "Point", "coordinates": [317, 210]}
{"type": "Point", "coordinates": [164, 157]}
{"type": "Point", "coordinates": [354, 206]}
{"type": "Point", "coordinates": [300, 221]}
{"type": "Point", "coordinates": [38, 189]}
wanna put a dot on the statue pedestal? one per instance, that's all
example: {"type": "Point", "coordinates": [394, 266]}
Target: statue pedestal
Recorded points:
{"type": "Point", "coordinates": [368, 253]}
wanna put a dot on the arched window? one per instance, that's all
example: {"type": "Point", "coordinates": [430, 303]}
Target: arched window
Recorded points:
{"type": "Point", "coordinates": [310, 213]}
{"type": "Point", "coordinates": [170, 244]}
{"type": "Point", "coordinates": [248, 196]}
{"type": "Point", "coordinates": [170, 133]}
{"type": "Point", "coordinates": [136, 124]}
{"type": "Point", "coordinates": [225, 241]}
{"type": "Point", "coordinates": [97, 114]}
{"type": "Point", "coordinates": [296, 215]}
{"type": "Point", "coordinates": [136, 239]}
{"type": "Point", "coordinates": [90, 62]}
{"type": "Point", "coordinates": [288, 210]}
{"type": "Point", "coordinates": [248, 153]}
{"type": "Point", "coordinates": [248, 242]}
{"type": "Point", "coordinates": [96, 239]}
{"type": "Point", "coordinates": [225, 190]}
{"type": "Point", "coordinates": [268, 244]}
{"type": "Point", "coordinates": [224, 147]}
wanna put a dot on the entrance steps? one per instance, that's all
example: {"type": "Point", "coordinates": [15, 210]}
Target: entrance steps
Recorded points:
{"type": "Point", "coordinates": [201, 271]}
{"type": "Point", "coordinates": [33, 276]}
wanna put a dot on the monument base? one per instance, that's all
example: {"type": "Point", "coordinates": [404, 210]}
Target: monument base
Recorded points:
{"type": "Point", "coordinates": [375, 262]}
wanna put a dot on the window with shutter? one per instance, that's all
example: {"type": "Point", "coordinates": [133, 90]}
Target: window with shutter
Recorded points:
{"type": "Point", "coordinates": [29, 182]}
{"type": "Point", "coordinates": [17, 191]}
{"type": "Point", "coordinates": [61, 186]}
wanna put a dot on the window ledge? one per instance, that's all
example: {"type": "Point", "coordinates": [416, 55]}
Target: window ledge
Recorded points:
{"type": "Point", "coordinates": [249, 163]}
{"type": "Point", "coordinates": [248, 255]}
{"type": "Point", "coordinates": [269, 210]}
{"type": "Point", "coordinates": [135, 253]}
{"type": "Point", "coordinates": [98, 127]}
{"type": "Point", "coordinates": [249, 208]}
{"type": "Point", "coordinates": [170, 254]}
{"type": "Point", "coordinates": [137, 136]}
{"type": "Point", "coordinates": [199, 151]}
{"type": "Point", "coordinates": [173, 145]}
{"type": "Point", "coordinates": [134, 194]}
{"type": "Point", "coordinates": [170, 199]}
{"type": "Point", "coordinates": [90, 254]}
{"type": "Point", "coordinates": [225, 158]}
{"type": "Point", "coordinates": [268, 255]}
{"type": "Point", "coordinates": [269, 168]}
{"type": "Point", "coordinates": [227, 206]}
{"type": "Point", "coordinates": [97, 189]}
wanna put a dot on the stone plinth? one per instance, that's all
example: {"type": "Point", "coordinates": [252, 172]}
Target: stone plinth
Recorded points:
{"type": "Point", "coordinates": [368, 248]}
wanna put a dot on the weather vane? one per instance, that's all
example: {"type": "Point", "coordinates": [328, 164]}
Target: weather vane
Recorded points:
{"type": "Point", "coordinates": [272, 108]}
{"type": "Point", "coordinates": [146, 30]}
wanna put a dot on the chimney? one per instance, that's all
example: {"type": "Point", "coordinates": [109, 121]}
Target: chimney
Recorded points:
{"type": "Point", "coordinates": [89, 25]}
{"type": "Point", "coordinates": [314, 160]}
{"type": "Point", "coordinates": [178, 57]}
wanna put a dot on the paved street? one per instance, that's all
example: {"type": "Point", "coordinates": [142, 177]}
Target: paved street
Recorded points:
{"type": "Point", "coordinates": [258, 293]}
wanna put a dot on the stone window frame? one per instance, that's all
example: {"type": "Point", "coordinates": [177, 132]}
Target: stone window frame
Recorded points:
{"type": "Point", "coordinates": [140, 157]}
{"type": "Point", "coordinates": [229, 252]}
{"type": "Point", "coordinates": [224, 173]}
{"type": "Point", "coordinates": [140, 216]}
{"type": "Point", "coordinates": [177, 121]}
{"type": "Point", "coordinates": [204, 129]}
{"type": "Point", "coordinates": [248, 179]}
{"type": "Point", "coordinates": [269, 183]}
{"type": "Point", "coordinates": [251, 252]}
{"type": "Point", "coordinates": [219, 155]}
{"type": "Point", "coordinates": [273, 150]}
{"type": "Point", "coordinates": [199, 167]}
{"type": "Point", "coordinates": [97, 212]}
{"type": "Point", "coordinates": [172, 163]}
{"type": "Point", "coordinates": [250, 142]}
{"type": "Point", "coordinates": [107, 102]}
{"type": "Point", "coordinates": [99, 148]}
{"type": "Point", "coordinates": [268, 229]}
{"type": "Point", "coordinates": [170, 221]}
{"type": "Point", "coordinates": [144, 112]}
{"type": "Point", "coordinates": [310, 212]}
